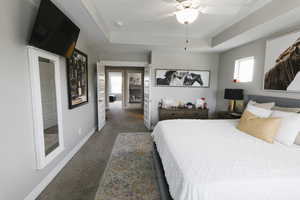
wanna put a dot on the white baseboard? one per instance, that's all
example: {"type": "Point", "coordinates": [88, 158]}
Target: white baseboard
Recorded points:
{"type": "Point", "coordinates": [43, 184]}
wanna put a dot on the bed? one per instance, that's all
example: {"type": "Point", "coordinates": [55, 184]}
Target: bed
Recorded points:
{"type": "Point", "coordinates": [212, 160]}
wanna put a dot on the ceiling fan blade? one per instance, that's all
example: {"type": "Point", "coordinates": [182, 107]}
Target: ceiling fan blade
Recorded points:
{"type": "Point", "coordinates": [161, 17]}
{"type": "Point", "coordinates": [212, 10]}
{"type": "Point", "coordinates": [174, 2]}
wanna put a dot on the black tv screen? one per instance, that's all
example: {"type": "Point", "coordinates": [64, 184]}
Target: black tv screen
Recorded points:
{"type": "Point", "coordinates": [53, 31]}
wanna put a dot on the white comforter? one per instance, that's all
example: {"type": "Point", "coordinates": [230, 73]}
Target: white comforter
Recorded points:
{"type": "Point", "coordinates": [212, 160]}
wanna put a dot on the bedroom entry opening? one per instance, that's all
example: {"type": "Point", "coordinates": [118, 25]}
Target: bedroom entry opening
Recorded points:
{"type": "Point", "coordinates": [115, 90]}
{"type": "Point", "coordinates": [124, 92]}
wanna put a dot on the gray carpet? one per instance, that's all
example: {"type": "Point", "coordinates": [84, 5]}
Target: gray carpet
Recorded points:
{"type": "Point", "coordinates": [130, 174]}
{"type": "Point", "coordinates": [79, 180]}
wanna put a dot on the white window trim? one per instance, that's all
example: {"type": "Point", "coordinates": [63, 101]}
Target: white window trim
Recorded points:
{"type": "Point", "coordinates": [238, 61]}
{"type": "Point", "coordinates": [42, 160]}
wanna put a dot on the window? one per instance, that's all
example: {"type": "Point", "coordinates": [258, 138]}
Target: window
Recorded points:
{"type": "Point", "coordinates": [115, 82]}
{"type": "Point", "coordinates": [243, 71]}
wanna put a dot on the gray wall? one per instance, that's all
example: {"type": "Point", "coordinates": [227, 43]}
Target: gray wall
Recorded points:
{"type": "Point", "coordinates": [18, 174]}
{"type": "Point", "coordinates": [226, 69]}
{"type": "Point", "coordinates": [184, 60]}
{"type": "Point", "coordinates": [124, 56]}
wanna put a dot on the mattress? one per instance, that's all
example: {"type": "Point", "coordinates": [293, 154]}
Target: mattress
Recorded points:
{"type": "Point", "coordinates": [212, 160]}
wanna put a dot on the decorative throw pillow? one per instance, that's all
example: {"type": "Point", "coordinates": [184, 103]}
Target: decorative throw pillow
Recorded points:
{"type": "Point", "coordinates": [262, 128]}
{"type": "Point", "coordinates": [267, 106]}
{"type": "Point", "coordinates": [289, 128]}
{"type": "Point", "coordinates": [260, 112]}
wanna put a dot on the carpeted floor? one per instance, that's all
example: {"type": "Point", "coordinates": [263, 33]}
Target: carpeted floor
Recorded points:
{"type": "Point", "coordinates": [79, 179]}
{"type": "Point", "coordinates": [129, 174]}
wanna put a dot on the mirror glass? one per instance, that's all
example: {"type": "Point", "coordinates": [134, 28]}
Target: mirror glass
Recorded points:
{"type": "Point", "coordinates": [49, 104]}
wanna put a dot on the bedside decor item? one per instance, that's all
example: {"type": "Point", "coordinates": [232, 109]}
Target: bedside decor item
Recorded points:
{"type": "Point", "coordinates": [189, 105]}
{"type": "Point", "coordinates": [282, 62]}
{"type": "Point", "coordinates": [77, 78]}
{"type": "Point", "coordinates": [182, 78]}
{"type": "Point", "coordinates": [201, 103]}
{"type": "Point", "coordinates": [233, 95]}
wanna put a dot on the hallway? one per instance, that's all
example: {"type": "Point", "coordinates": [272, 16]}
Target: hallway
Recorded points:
{"type": "Point", "coordinates": [80, 178]}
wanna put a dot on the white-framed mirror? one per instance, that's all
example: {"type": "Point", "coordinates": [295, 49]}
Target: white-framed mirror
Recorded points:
{"type": "Point", "coordinates": [46, 105]}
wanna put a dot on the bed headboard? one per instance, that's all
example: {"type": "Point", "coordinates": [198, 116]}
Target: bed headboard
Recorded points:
{"type": "Point", "coordinates": [283, 102]}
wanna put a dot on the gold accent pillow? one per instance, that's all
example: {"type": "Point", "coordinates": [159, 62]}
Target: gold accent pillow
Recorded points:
{"type": "Point", "coordinates": [262, 128]}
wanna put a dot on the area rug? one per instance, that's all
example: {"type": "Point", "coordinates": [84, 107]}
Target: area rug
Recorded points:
{"type": "Point", "coordinates": [129, 174]}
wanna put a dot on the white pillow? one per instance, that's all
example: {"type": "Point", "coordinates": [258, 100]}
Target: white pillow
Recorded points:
{"type": "Point", "coordinates": [260, 112]}
{"type": "Point", "coordinates": [268, 106]}
{"type": "Point", "coordinates": [286, 109]}
{"type": "Point", "coordinates": [289, 128]}
{"type": "Point", "coordinates": [297, 141]}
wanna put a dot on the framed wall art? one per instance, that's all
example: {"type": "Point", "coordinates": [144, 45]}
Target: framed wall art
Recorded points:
{"type": "Point", "coordinates": [182, 78]}
{"type": "Point", "coordinates": [282, 63]}
{"type": "Point", "coordinates": [77, 78]}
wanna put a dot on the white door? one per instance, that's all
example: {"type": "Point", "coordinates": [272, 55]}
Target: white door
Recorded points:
{"type": "Point", "coordinates": [101, 95]}
{"type": "Point", "coordinates": [147, 97]}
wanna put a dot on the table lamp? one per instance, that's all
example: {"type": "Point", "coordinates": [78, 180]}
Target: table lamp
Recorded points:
{"type": "Point", "coordinates": [233, 95]}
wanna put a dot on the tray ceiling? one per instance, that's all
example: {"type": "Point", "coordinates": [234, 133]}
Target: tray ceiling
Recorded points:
{"type": "Point", "coordinates": [154, 18]}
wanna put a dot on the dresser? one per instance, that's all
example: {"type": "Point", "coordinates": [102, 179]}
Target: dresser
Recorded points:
{"type": "Point", "coordinates": [182, 113]}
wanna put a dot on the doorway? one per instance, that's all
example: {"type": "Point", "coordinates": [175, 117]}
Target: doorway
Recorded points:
{"type": "Point", "coordinates": [132, 103]}
{"type": "Point", "coordinates": [115, 89]}
{"type": "Point", "coordinates": [125, 91]}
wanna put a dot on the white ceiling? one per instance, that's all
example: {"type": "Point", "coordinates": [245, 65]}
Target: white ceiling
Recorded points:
{"type": "Point", "coordinates": [150, 17]}
{"type": "Point", "coordinates": [148, 25]}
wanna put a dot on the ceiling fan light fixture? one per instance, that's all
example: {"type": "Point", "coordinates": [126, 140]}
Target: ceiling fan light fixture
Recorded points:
{"type": "Point", "coordinates": [187, 15]}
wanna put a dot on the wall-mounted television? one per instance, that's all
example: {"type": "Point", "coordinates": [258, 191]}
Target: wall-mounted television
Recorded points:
{"type": "Point", "coordinates": [53, 31]}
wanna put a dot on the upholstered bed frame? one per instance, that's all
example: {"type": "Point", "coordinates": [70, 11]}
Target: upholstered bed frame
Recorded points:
{"type": "Point", "coordinates": [283, 102]}
{"type": "Point", "coordinates": [160, 176]}
{"type": "Point", "coordinates": [162, 182]}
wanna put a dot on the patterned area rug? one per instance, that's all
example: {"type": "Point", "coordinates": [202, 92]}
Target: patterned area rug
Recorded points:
{"type": "Point", "coordinates": [129, 174]}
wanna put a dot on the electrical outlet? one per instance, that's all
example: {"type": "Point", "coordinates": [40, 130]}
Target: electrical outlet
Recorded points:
{"type": "Point", "coordinates": [80, 131]}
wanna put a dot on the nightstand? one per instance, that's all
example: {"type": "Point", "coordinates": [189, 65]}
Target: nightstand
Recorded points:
{"type": "Point", "coordinates": [228, 115]}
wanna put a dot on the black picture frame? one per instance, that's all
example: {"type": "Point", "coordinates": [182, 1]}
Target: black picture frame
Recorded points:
{"type": "Point", "coordinates": [160, 82]}
{"type": "Point", "coordinates": [77, 79]}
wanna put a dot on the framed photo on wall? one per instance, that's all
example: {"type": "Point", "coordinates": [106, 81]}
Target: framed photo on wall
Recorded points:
{"type": "Point", "coordinates": [77, 78]}
{"type": "Point", "coordinates": [282, 63]}
{"type": "Point", "coordinates": [182, 78]}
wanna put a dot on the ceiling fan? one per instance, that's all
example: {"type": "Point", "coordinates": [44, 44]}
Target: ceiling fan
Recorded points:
{"type": "Point", "coordinates": [188, 10]}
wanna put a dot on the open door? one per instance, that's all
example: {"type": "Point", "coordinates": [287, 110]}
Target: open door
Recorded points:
{"type": "Point", "coordinates": [101, 95]}
{"type": "Point", "coordinates": [147, 97]}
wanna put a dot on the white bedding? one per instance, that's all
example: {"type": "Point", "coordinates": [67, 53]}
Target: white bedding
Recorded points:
{"type": "Point", "coordinates": [212, 160]}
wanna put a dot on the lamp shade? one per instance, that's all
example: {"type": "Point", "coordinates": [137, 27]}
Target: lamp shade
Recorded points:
{"type": "Point", "coordinates": [234, 94]}
{"type": "Point", "coordinates": [187, 15]}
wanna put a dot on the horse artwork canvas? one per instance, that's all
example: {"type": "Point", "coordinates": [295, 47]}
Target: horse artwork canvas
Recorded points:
{"type": "Point", "coordinates": [183, 78]}
{"type": "Point", "coordinates": [282, 68]}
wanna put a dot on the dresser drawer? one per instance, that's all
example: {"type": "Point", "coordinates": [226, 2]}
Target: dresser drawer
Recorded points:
{"type": "Point", "coordinates": [165, 114]}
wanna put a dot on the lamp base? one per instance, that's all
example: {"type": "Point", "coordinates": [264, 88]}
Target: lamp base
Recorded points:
{"type": "Point", "coordinates": [231, 106]}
